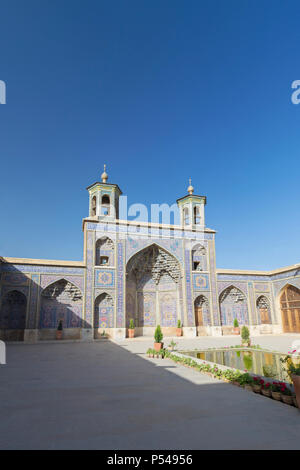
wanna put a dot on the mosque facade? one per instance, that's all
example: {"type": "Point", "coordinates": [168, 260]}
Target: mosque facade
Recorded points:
{"type": "Point", "coordinates": [150, 272]}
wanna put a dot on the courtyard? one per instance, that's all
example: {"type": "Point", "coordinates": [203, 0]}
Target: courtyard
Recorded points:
{"type": "Point", "coordinates": [106, 395]}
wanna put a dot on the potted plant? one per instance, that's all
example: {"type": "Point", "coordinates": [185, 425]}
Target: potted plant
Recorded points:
{"type": "Point", "coordinates": [246, 381]}
{"type": "Point", "coordinates": [103, 335]}
{"type": "Point", "coordinates": [131, 329]}
{"type": "Point", "coordinates": [245, 334]}
{"type": "Point", "coordinates": [158, 336]}
{"type": "Point", "coordinates": [266, 389]}
{"type": "Point", "coordinates": [276, 391]}
{"type": "Point", "coordinates": [172, 345]}
{"type": "Point", "coordinates": [236, 327]}
{"type": "Point", "coordinates": [286, 394]}
{"type": "Point", "coordinates": [179, 328]}
{"type": "Point", "coordinates": [59, 330]}
{"type": "Point", "coordinates": [294, 373]}
{"type": "Point", "coordinates": [257, 384]}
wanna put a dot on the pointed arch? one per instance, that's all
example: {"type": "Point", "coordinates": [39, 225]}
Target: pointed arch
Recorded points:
{"type": "Point", "coordinates": [66, 279]}
{"type": "Point", "coordinates": [153, 279]}
{"type": "Point", "coordinates": [289, 298]}
{"type": "Point", "coordinates": [199, 258]}
{"type": "Point", "coordinates": [263, 310]}
{"type": "Point", "coordinates": [104, 255]}
{"type": "Point", "coordinates": [233, 304]}
{"type": "Point", "coordinates": [157, 260]}
{"type": "Point", "coordinates": [202, 312]}
{"type": "Point", "coordinates": [13, 310]}
{"type": "Point", "coordinates": [61, 300]}
{"type": "Point", "coordinates": [151, 243]}
{"type": "Point", "coordinates": [103, 312]}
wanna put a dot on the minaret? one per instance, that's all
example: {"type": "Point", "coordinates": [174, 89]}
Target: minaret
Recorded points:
{"type": "Point", "coordinates": [191, 209]}
{"type": "Point", "coordinates": [104, 199]}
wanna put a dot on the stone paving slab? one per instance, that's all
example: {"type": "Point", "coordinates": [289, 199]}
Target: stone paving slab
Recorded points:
{"type": "Point", "coordinates": [109, 396]}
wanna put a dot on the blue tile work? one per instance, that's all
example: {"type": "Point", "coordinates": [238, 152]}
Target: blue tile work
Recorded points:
{"type": "Point", "coordinates": [104, 278]}
{"type": "Point", "coordinates": [134, 245]}
{"type": "Point", "coordinates": [52, 312]}
{"type": "Point", "coordinates": [89, 280]}
{"type": "Point", "coordinates": [13, 310]}
{"type": "Point", "coordinates": [251, 295]}
{"type": "Point", "coordinates": [33, 303]}
{"type": "Point", "coordinates": [201, 281]}
{"type": "Point", "coordinates": [146, 308]}
{"type": "Point", "coordinates": [15, 279]}
{"type": "Point", "coordinates": [231, 309]}
{"type": "Point", "coordinates": [40, 269]}
{"type": "Point", "coordinates": [242, 286]}
{"type": "Point", "coordinates": [214, 293]}
{"type": "Point", "coordinates": [190, 312]}
{"type": "Point", "coordinates": [168, 310]}
{"type": "Point", "coordinates": [78, 281]}
{"type": "Point", "coordinates": [120, 286]}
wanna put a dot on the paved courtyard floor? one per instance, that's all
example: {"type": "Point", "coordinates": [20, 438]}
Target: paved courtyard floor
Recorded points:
{"type": "Point", "coordinates": [107, 395]}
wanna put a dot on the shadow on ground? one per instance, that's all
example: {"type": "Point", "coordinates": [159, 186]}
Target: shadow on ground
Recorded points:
{"type": "Point", "coordinates": [102, 396]}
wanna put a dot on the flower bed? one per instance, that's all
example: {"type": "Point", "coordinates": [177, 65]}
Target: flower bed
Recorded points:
{"type": "Point", "coordinates": [279, 391]}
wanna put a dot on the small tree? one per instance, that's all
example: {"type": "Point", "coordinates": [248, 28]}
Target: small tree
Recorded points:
{"type": "Point", "coordinates": [179, 324]}
{"type": "Point", "coordinates": [235, 323]}
{"type": "Point", "coordinates": [60, 325]}
{"type": "Point", "coordinates": [158, 336]}
{"type": "Point", "coordinates": [131, 324]}
{"type": "Point", "coordinates": [245, 334]}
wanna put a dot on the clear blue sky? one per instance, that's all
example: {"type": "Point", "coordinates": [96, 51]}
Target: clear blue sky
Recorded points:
{"type": "Point", "coordinates": [160, 91]}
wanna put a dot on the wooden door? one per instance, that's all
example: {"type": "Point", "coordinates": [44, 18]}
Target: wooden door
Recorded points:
{"type": "Point", "coordinates": [199, 315]}
{"type": "Point", "coordinates": [290, 309]}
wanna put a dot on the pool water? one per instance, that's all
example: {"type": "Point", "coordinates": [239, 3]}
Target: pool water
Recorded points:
{"type": "Point", "coordinates": [257, 362]}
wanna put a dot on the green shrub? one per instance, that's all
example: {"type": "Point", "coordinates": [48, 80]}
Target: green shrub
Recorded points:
{"type": "Point", "coordinates": [245, 334]}
{"type": "Point", "coordinates": [235, 323]}
{"type": "Point", "coordinates": [158, 336]}
{"type": "Point", "coordinates": [131, 324]}
{"type": "Point", "coordinates": [269, 370]}
{"type": "Point", "coordinates": [245, 379]}
{"type": "Point", "coordinates": [178, 324]}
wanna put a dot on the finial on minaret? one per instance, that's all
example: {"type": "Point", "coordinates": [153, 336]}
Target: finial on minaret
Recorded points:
{"type": "Point", "coordinates": [104, 175]}
{"type": "Point", "coordinates": [190, 188]}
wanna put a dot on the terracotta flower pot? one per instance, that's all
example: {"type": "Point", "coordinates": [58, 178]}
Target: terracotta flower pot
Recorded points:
{"type": "Point", "coordinates": [158, 346]}
{"type": "Point", "coordinates": [236, 330]}
{"type": "Point", "coordinates": [178, 331]}
{"type": "Point", "coordinates": [249, 388]}
{"type": "Point", "coordinates": [276, 396]}
{"type": "Point", "coordinates": [131, 333]}
{"type": "Point", "coordinates": [257, 388]}
{"type": "Point", "coordinates": [59, 334]}
{"type": "Point", "coordinates": [266, 393]}
{"type": "Point", "coordinates": [296, 382]}
{"type": "Point", "coordinates": [287, 399]}
{"type": "Point", "coordinates": [236, 383]}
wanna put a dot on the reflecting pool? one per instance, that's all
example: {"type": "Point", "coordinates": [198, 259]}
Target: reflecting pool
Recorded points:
{"type": "Point", "coordinates": [256, 362]}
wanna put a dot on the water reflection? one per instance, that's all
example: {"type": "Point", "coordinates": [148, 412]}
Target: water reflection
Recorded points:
{"type": "Point", "coordinates": [257, 362]}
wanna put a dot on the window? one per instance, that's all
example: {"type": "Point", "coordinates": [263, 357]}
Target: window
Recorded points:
{"type": "Point", "coordinates": [93, 209]}
{"type": "Point", "coordinates": [105, 205]}
{"type": "Point", "coordinates": [103, 260]}
{"type": "Point", "coordinates": [196, 215]}
{"type": "Point", "coordinates": [186, 216]}
{"type": "Point", "coordinates": [105, 199]}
